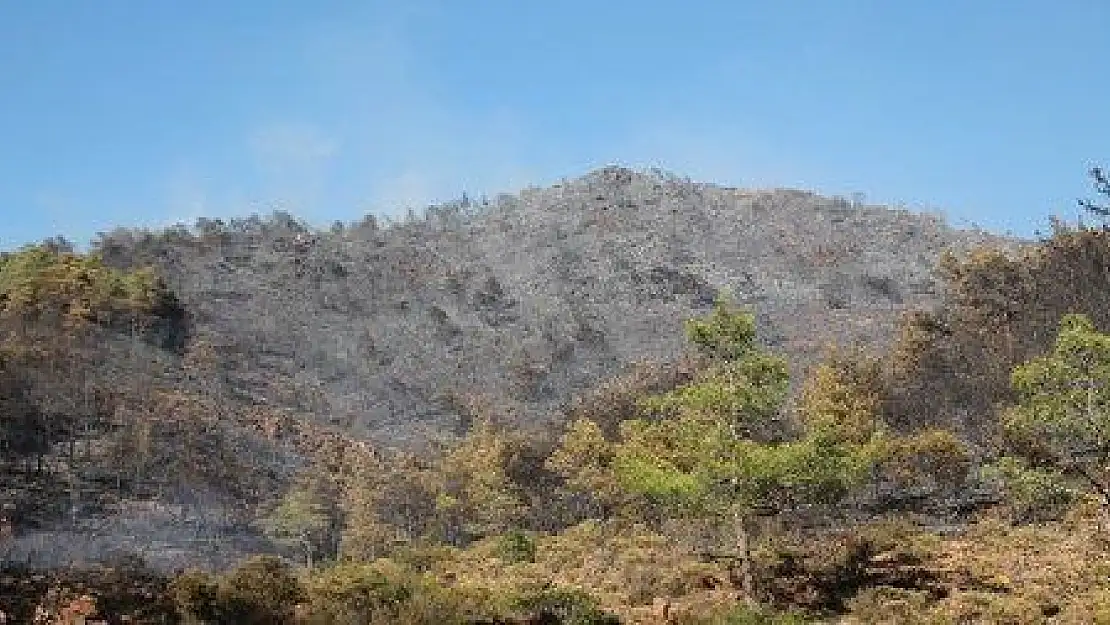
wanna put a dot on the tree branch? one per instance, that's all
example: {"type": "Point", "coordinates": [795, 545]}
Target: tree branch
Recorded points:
{"type": "Point", "coordinates": [1102, 187]}
{"type": "Point", "coordinates": [1098, 485]}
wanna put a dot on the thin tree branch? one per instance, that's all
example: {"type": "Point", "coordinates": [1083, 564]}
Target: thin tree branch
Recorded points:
{"type": "Point", "coordinates": [1102, 187]}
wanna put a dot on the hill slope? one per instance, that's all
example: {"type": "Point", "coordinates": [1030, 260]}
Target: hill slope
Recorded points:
{"type": "Point", "coordinates": [293, 342]}
{"type": "Point", "coordinates": [527, 300]}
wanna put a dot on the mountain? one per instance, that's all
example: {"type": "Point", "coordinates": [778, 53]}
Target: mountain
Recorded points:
{"type": "Point", "coordinates": [284, 344]}
{"type": "Point", "coordinates": [384, 331]}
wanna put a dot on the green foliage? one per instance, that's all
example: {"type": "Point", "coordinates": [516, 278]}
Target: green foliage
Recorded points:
{"type": "Point", "coordinates": [476, 490]}
{"type": "Point", "coordinates": [516, 546]}
{"type": "Point", "coordinates": [842, 398]}
{"type": "Point", "coordinates": [385, 593]}
{"type": "Point", "coordinates": [675, 478]}
{"type": "Point", "coordinates": [725, 334]}
{"type": "Point", "coordinates": [262, 591]}
{"type": "Point", "coordinates": [584, 459]}
{"type": "Point", "coordinates": [1033, 494]}
{"type": "Point", "coordinates": [300, 519]}
{"type": "Point", "coordinates": [387, 501]}
{"type": "Point", "coordinates": [196, 597]}
{"type": "Point", "coordinates": [742, 393]}
{"type": "Point", "coordinates": [933, 459]}
{"type": "Point", "coordinates": [700, 468]}
{"type": "Point", "coordinates": [842, 402]}
{"type": "Point", "coordinates": [39, 283]}
{"type": "Point", "coordinates": [701, 459]}
{"type": "Point", "coordinates": [620, 398]}
{"type": "Point", "coordinates": [1001, 308]}
{"type": "Point", "coordinates": [1065, 395]}
{"type": "Point", "coordinates": [811, 470]}
{"type": "Point", "coordinates": [359, 593]}
{"type": "Point", "coordinates": [1062, 416]}
{"type": "Point", "coordinates": [569, 606]}
{"type": "Point", "coordinates": [695, 458]}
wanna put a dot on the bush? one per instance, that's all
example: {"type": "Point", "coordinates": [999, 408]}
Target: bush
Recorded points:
{"type": "Point", "coordinates": [883, 604]}
{"type": "Point", "coordinates": [355, 593]}
{"type": "Point", "coordinates": [569, 606]}
{"type": "Point", "coordinates": [261, 590]}
{"type": "Point", "coordinates": [196, 597]}
{"type": "Point", "coordinates": [747, 615]}
{"type": "Point", "coordinates": [381, 593]}
{"type": "Point", "coordinates": [422, 558]}
{"type": "Point", "coordinates": [516, 546]}
{"type": "Point", "coordinates": [1033, 494]}
{"type": "Point", "coordinates": [824, 574]}
{"type": "Point", "coordinates": [986, 607]}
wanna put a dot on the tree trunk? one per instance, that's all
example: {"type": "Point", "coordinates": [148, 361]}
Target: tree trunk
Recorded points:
{"type": "Point", "coordinates": [1103, 521]}
{"type": "Point", "coordinates": [307, 552]}
{"type": "Point", "coordinates": [744, 554]}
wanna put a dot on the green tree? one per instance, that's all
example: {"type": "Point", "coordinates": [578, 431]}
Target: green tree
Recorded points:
{"type": "Point", "coordinates": [1061, 420]}
{"type": "Point", "coordinates": [705, 458]}
{"type": "Point", "coordinates": [477, 494]}
{"type": "Point", "coordinates": [843, 396]}
{"type": "Point", "coordinates": [300, 519]}
{"type": "Point", "coordinates": [387, 501]}
{"type": "Point", "coordinates": [584, 459]}
{"type": "Point", "coordinates": [843, 399]}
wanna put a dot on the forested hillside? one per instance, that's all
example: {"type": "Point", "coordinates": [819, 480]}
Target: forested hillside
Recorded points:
{"type": "Point", "coordinates": [625, 398]}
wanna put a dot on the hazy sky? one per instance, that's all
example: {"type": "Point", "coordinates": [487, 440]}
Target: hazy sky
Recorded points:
{"type": "Point", "coordinates": [119, 112]}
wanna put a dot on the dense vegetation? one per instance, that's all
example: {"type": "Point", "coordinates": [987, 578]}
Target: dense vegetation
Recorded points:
{"type": "Point", "coordinates": [960, 473]}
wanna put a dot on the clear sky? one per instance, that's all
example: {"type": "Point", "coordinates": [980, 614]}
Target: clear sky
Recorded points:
{"type": "Point", "coordinates": [118, 112]}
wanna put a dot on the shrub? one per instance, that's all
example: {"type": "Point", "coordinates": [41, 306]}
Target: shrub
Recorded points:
{"type": "Point", "coordinates": [195, 596]}
{"type": "Point", "coordinates": [826, 573]}
{"type": "Point", "coordinates": [1033, 494]}
{"type": "Point", "coordinates": [883, 604]}
{"type": "Point", "coordinates": [516, 546]}
{"type": "Point", "coordinates": [382, 593]}
{"type": "Point", "coordinates": [355, 593]}
{"type": "Point", "coordinates": [748, 615]}
{"type": "Point", "coordinates": [569, 606]}
{"type": "Point", "coordinates": [261, 590]}
{"type": "Point", "coordinates": [986, 607]}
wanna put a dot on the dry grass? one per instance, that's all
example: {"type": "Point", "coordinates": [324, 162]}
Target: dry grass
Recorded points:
{"type": "Point", "coordinates": [991, 572]}
{"type": "Point", "coordinates": [998, 573]}
{"type": "Point", "coordinates": [631, 571]}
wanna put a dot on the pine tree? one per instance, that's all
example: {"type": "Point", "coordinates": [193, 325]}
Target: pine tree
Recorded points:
{"type": "Point", "coordinates": [1060, 425]}
{"type": "Point", "coordinates": [712, 454]}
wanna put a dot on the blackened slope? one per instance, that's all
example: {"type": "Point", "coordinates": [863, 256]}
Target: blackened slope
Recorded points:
{"type": "Point", "coordinates": [534, 297]}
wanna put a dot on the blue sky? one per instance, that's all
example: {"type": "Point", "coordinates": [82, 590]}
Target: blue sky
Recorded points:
{"type": "Point", "coordinates": [119, 112]}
